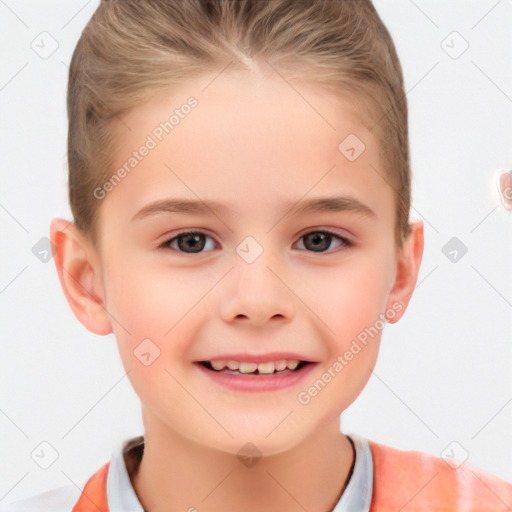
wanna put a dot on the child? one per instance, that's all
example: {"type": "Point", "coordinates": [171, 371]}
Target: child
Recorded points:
{"type": "Point", "coordinates": [272, 137]}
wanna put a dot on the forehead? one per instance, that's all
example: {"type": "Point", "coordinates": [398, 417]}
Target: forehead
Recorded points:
{"type": "Point", "coordinates": [248, 139]}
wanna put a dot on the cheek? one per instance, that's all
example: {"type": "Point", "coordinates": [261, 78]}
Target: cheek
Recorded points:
{"type": "Point", "coordinates": [341, 382]}
{"type": "Point", "coordinates": [347, 299]}
{"type": "Point", "coordinates": [150, 297]}
{"type": "Point", "coordinates": [354, 302]}
{"type": "Point", "coordinates": [158, 304]}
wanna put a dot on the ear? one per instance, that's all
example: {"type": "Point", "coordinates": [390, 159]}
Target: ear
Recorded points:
{"type": "Point", "coordinates": [407, 269]}
{"type": "Point", "coordinates": [79, 269]}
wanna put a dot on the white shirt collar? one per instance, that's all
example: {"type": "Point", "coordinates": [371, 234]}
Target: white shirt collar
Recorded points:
{"type": "Point", "coordinates": [356, 497]}
{"type": "Point", "coordinates": [120, 493]}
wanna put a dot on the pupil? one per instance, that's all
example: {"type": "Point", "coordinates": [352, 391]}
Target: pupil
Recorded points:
{"type": "Point", "coordinates": [194, 241]}
{"type": "Point", "coordinates": [321, 241]}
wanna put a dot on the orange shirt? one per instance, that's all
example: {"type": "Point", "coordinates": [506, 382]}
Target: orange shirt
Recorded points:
{"type": "Point", "coordinates": [404, 481]}
{"type": "Point", "coordinates": [414, 481]}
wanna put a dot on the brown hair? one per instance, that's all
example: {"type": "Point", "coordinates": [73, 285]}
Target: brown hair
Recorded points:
{"type": "Point", "coordinates": [133, 49]}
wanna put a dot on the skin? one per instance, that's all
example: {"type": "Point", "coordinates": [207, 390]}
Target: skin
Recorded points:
{"type": "Point", "coordinates": [254, 144]}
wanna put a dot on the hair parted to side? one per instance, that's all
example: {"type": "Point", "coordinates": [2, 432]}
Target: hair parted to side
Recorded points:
{"type": "Point", "coordinates": [131, 50]}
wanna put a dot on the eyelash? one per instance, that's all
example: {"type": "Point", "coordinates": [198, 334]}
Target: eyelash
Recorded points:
{"type": "Point", "coordinates": [344, 242]}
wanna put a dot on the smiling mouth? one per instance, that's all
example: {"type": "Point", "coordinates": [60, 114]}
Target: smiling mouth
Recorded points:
{"type": "Point", "coordinates": [281, 367]}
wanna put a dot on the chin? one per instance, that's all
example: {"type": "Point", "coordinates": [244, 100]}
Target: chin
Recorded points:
{"type": "Point", "coordinates": [254, 441]}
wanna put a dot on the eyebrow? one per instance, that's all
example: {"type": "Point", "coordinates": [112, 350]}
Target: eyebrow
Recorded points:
{"type": "Point", "coordinates": [179, 206]}
{"type": "Point", "coordinates": [300, 207]}
{"type": "Point", "coordinates": [330, 204]}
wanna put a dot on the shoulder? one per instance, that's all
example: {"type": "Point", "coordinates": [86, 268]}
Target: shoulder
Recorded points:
{"type": "Point", "coordinates": [413, 480]}
{"type": "Point", "coordinates": [61, 499]}
{"type": "Point", "coordinates": [68, 498]}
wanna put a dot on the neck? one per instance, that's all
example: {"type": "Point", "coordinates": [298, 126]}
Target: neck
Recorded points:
{"type": "Point", "coordinates": [178, 474]}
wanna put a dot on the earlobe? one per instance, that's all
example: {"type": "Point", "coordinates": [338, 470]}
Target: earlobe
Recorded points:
{"type": "Point", "coordinates": [79, 271]}
{"type": "Point", "coordinates": [407, 270]}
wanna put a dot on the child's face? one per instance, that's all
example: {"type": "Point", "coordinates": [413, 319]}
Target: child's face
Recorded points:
{"type": "Point", "coordinates": [254, 146]}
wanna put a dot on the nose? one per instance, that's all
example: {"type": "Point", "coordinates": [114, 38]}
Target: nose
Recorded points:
{"type": "Point", "coordinates": [257, 293]}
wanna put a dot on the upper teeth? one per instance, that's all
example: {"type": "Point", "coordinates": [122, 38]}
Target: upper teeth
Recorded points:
{"type": "Point", "coordinates": [244, 367]}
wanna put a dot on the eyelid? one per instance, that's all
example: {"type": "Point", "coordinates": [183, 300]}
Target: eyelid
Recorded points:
{"type": "Point", "coordinates": [163, 244]}
{"type": "Point", "coordinates": [345, 240]}
{"type": "Point", "coordinates": [340, 233]}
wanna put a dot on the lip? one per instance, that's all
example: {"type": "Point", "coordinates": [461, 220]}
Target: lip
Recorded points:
{"type": "Point", "coordinates": [257, 383]}
{"type": "Point", "coordinates": [262, 358]}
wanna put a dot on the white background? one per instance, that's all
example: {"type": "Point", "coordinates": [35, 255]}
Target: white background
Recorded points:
{"type": "Point", "coordinates": [444, 372]}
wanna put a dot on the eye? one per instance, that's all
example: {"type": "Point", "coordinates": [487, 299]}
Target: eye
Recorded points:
{"type": "Point", "coordinates": [321, 241]}
{"type": "Point", "coordinates": [189, 242]}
